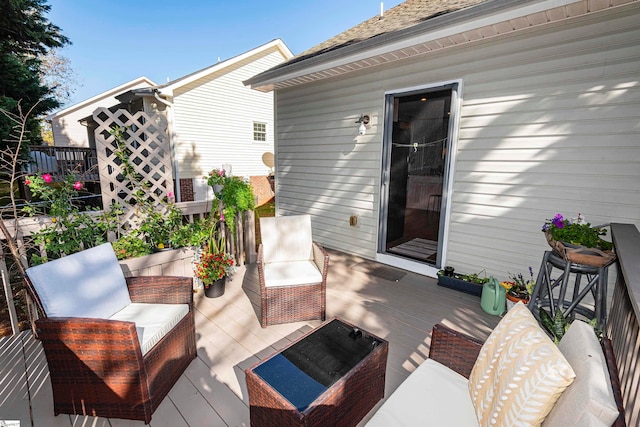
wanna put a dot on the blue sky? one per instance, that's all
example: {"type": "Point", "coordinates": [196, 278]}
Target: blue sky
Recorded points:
{"type": "Point", "coordinates": [116, 41]}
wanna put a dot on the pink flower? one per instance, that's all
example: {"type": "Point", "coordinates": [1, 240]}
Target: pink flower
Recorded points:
{"type": "Point", "coordinates": [221, 217]}
{"type": "Point", "coordinates": [221, 172]}
{"type": "Point", "coordinates": [27, 181]}
{"type": "Point", "coordinates": [47, 178]}
{"type": "Point", "coordinates": [170, 195]}
{"type": "Point", "coordinates": [77, 186]}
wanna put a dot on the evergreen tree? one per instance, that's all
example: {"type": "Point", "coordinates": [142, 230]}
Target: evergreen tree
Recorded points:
{"type": "Point", "coordinates": [26, 35]}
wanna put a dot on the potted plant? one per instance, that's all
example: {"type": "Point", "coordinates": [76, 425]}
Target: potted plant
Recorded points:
{"type": "Point", "coordinates": [518, 288]}
{"type": "Point", "coordinates": [215, 263]}
{"type": "Point", "coordinates": [577, 241]}
{"type": "Point", "coordinates": [216, 180]}
{"type": "Point", "coordinates": [467, 283]}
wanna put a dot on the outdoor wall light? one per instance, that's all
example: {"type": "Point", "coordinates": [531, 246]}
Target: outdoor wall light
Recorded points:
{"type": "Point", "coordinates": [364, 121]}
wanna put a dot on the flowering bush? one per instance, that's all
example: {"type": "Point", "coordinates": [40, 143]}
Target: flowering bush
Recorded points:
{"type": "Point", "coordinates": [217, 177]}
{"type": "Point", "coordinates": [576, 232]}
{"type": "Point", "coordinates": [71, 230]}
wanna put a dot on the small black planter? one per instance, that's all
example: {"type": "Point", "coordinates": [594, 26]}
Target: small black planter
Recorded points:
{"type": "Point", "coordinates": [216, 289]}
{"type": "Point", "coordinates": [460, 285]}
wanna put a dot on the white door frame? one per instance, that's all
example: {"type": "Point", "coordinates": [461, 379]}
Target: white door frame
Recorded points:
{"type": "Point", "coordinates": [447, 186]}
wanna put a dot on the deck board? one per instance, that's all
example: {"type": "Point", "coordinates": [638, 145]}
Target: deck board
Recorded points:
{"type": "Point", "coordinates": [213, 392]}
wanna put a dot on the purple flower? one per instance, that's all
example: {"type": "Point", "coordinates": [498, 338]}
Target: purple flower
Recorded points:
{"type": "Point", "coordinates": [558, 221]}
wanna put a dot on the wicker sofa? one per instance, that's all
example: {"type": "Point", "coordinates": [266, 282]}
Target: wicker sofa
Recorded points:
{"type": "Point", "coordinates": [114, 346]}
{"type": "Point", "coordinates": [440, 391]}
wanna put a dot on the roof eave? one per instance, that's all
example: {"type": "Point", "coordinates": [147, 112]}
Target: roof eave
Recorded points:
{"type": "Point", "coordinates": [474, 16]}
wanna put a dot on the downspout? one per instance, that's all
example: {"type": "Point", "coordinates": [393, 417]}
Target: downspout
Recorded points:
{"type": "Point", "coordinates": [172, 139]}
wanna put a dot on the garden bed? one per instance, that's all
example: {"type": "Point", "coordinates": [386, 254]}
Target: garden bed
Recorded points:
{"type": "Point", "coordinates": [174, 262]}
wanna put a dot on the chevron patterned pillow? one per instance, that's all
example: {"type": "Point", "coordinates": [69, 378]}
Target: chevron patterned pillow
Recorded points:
{"type": "Point", "coordinates": [519, 373]}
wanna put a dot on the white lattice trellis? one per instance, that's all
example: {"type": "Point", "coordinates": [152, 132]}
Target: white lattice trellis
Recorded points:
{"type": "Point", "coordinates": [147, 139]}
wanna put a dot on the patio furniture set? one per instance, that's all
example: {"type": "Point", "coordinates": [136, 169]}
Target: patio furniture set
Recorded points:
{"type": "Point", "coordinates": [116, 346]}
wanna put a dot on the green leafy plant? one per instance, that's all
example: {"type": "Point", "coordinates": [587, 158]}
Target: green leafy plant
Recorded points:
{"type": "Point", "coordinates": [558, 325]}
{"type": "Point", "coordinates": [158, 226]}
{"type": "Point", "coordinates": [576, 233]}
{"type": "Point", "coordinates": [236, 196]}
{"type": "Point", "coordinates": [191, 234]}
{"type": "Point", "coordinates": [130, 246]}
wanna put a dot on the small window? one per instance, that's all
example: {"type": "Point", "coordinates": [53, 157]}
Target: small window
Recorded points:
{"type": "Point", "coordinates": [259, 131]}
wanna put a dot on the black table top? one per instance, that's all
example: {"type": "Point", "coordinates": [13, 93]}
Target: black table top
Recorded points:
{"type": "Point", "coordinates": [308, 367]}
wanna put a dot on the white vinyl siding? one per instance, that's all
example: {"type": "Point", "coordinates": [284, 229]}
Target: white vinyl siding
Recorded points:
{"type": "Point", "coordinates": [69, 132]}
{"type": "Point", "coordinates": [549, 123]}
{"type": "Point", "coordinates": [214, 118]}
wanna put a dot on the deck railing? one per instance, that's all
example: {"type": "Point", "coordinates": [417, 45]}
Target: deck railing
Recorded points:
{"type": "Point", "coordinates": [60, 161]}
{"type": "Point", "coordinates": [622, 326]}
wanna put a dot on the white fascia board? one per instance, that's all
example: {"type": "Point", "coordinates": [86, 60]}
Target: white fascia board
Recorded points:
{"type": "Point", "coordinates": [111, 92]}
{"type": "Point", "coordinates": [277, 43]}
{"type": "Point", "coordinates": [472, 23]}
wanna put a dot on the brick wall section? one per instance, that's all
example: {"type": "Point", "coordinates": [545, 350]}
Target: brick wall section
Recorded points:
{"type": "Point", "coordinates": [261, 189]}
{"type": "Point", "coordinates": [186, 190]}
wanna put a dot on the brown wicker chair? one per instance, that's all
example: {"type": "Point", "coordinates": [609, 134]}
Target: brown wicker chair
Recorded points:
{"type": "Point", "coordinates": [292, 270]}
{"type": "Point", "coordinates": [97, 366]}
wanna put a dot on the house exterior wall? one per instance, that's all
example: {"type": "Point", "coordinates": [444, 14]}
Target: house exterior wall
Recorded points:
{"type": "Point", "coordinates": [548, 123]}
{"type": "Point", "coordinates": [67, 130]}
{"type": "Point", "coordinates": [213, 121]}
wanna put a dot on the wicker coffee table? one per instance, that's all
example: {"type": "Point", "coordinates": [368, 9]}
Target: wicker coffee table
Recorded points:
{"type": "Point", "coordinates": [332, 375]}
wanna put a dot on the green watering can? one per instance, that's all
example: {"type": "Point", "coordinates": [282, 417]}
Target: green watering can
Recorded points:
{"type": "Point", "coordinates": [493, 297]}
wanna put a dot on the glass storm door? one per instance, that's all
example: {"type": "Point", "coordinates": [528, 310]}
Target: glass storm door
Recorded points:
{"type": "Point", "coordinates": [414, 171]}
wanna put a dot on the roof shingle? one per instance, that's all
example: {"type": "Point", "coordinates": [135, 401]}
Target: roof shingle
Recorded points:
{"type": "Point", "coordinates": [404, 15]}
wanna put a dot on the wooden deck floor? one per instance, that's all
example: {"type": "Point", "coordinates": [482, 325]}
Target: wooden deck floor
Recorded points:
{"type": "Point", "coordinates": [212, 392]}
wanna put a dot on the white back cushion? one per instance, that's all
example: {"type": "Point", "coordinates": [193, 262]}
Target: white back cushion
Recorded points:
{"type": "Point", "coordinates": [85, 284]}
{"type": "Point", "coordinates": [286, 238]}
{"type": "Point", "coordinates": [590, 393]}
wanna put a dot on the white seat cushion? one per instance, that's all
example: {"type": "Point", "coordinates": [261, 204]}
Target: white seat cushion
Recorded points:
{"type": "Point", "coordinates": [153, 321]}
{"type": "Point", "coordinates": [85, 284]}
{"type": "Point", "coordinates": [291, 273]}
{"type": "Point", "coordinates": [433, 395]}
{"type": "Point", "coordinates": [589, 400]}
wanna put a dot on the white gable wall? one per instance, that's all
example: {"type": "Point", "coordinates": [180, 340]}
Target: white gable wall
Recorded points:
{"type": "Point", "coordinates": [66, 127]}
{"type": "Point", "coordinates": [214, 117]}
{"type": "Point", "coordinates": [549, 123]}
